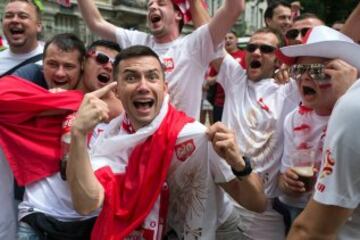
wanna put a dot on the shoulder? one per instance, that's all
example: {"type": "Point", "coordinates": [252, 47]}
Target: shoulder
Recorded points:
{"type": "Point", "coordinates": [31, 69]}
{"type": "Point", "coordinates": [33, 73]}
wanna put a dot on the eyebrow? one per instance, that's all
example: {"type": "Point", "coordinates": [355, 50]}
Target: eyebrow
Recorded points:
{"type": "Point", "coordinates": [146, 71]}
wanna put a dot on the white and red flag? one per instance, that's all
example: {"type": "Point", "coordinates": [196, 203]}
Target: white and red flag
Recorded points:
{"type": "Point", "coordinates": [65, 3]}
{"type": "Point", "coordinates": [136, 169]}
{"type": "Point", "coordinates": [184, 6]}
{"type": "Point", "coordinates": [29, 139]}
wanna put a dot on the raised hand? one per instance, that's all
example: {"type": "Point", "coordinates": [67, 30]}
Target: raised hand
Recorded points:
{"type": "Point", "coordinates": [225, 145]}
{"type": "Point", "coordinates": [342, 75]}
{"type": "Point", "coordinates": [93, 109]}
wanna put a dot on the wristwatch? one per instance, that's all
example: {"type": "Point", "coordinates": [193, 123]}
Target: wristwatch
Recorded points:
{"type": "Point", "coordinates": [246, 171]}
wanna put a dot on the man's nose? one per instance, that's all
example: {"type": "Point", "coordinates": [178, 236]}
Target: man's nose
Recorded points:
{"type": "Point", "coordinates": [143, 85]}
{"type": "Point", "coordinates": [60, 71]}
{"type": "Point", "coordinates": [108, 66]}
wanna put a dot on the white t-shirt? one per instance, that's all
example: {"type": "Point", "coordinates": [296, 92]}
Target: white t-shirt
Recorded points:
{"type": "Point", "coordinates": [196, 203]}
{"type": "Point", "coordinates": [10, 60]}
{"type": "Point", "coordinates": [8, 210]}
{"type": "Point", "coordinates": [303, 129]}
{"type": "Point", "coordinates": [339, 179]}
{"type": "Point", "coordinates": [52, 197]}
{"type": "Point", "coordinates": [186, 60]}
{"type": "Point", "coordinates": [256, 112]}
{"type": "Point", "coordinates": [8, 216]}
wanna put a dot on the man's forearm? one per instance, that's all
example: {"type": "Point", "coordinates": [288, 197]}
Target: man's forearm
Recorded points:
{"type": "Point", "coordinates": [199, 13]}
{"type": "Point", "coordinates": [86, 191]}
{"type": "Point", "coordinates": [248, 192]}
{"type": "Point", "coordinates": [95, 21]}
{"type": "Point", "coordinates": [351, 26]}
{"type": "Point", "coordinates": [224, 19]}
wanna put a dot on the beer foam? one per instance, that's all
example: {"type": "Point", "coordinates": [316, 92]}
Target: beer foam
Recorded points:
{"type": "Point", "coordinates": [304, 171]}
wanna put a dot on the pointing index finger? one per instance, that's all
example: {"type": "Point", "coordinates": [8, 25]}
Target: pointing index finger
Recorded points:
{"type": "Point", "coordinates": [104, 90]}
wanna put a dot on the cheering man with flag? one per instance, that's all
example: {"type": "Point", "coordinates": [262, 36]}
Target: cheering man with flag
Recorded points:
{"type": "Point", "coordinates": [152, 168]}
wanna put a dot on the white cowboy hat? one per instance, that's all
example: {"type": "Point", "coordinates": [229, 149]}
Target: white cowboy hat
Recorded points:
{"type": "Point", "coordinates": [322, 41]}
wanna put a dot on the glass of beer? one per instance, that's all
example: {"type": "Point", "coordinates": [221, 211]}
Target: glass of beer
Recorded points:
{"type": "Point", "coordinates": [303, 164]}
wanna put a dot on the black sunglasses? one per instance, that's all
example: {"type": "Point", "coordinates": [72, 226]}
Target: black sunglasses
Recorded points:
{"type": "Point", "coordinates": [251, 47]}
{"type": "Point", "coordinates": [101, 58]}
{"type": "Point", "coordinates": [294, 33]}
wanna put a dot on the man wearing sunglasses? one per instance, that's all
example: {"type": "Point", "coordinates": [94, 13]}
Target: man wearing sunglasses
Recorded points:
{"type": "Point", "coordinates": [47, 208]}
{"type": "Point", "coordinates": [295, 35]}
{"type": "Point", "coordinates": [255, 107]}
{"type": "Point", "coordinates": [300, 27]}
{"type": "Point", "coordinates": [325, 67]}
{"type": "Point", "coordinates": [186, 59]}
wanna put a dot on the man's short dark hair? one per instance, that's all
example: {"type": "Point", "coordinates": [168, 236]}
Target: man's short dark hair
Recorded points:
{"type": "Point", "coordinates": [278, 35]}
{"type": "Point", "coordinates": [133, 52]}
{"type": "Point", "coordinates": [306, 16]}
{"type": "Point", "coordinates": [104, 43]}
{"type": "Point", "coordinates": [233, 32]}
{"type": "Point", "coordinates": [31, 2]}
{"type": "Point", "coordinates": [269, 12]}
{"type": "Point", "coordinates": [67, 42]}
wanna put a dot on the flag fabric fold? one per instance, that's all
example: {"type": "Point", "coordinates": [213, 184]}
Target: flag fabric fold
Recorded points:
{"type": "Point", "coordinates": [184, 6]}
{"type": "Point", "coordinates": [64, 3]}
{"type": "Point", "coordinates": [30, 127]}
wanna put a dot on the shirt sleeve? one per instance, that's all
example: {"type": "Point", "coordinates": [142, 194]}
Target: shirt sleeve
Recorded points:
{"type": "Point", "coordinates": [126, 38]}
{"type": "Point", "coordinates": [33, 73]}
{"type": "Point", "coordinates": [230, 73]}
{"type": "Point", "coordinates": [339, 179]}
{"type": "Point", "coordinates": [220, 170]}
{"type": "Point", "coordinates": [289, 144]}
{"type": "Point", "coordinates": [200, 46]}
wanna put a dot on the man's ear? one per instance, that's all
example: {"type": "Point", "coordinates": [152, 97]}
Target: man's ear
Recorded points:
{"type": "Point", "coordinates": [267, 21]}
{"type": "Point", "coordinates": [82, 66]}
{"type": "Point", "coordinates": [166, 86]}
{"type": "Point", "coordinates": [277, 63]}
{"type": "Point", "coordinates": [39, 27]}
{"type": "Point", "coordinates": [179, 16]}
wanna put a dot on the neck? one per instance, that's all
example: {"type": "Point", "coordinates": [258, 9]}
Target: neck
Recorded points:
{"type": "Point", "coordinates": [323, 111]}
{"type": "Point", "coordinates": [167, 37]}
{"type": "Point", "coordinates": [81, 86]}
{"type": "Point", "coordinates": [23, 49]}
{"type": "Point", "coordinates": [232, 50]}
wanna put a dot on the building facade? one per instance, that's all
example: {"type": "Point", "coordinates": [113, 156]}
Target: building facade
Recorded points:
{"type": "Point", "coordinates": [130, 14]}
{"type": "Point", "coordinates": [58, 19]}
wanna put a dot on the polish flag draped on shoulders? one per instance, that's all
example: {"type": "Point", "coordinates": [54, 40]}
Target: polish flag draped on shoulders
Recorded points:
{"type": "Point", "coordinates": [30, 127]}
{"type": "Point", "coordinates": [135, 169]}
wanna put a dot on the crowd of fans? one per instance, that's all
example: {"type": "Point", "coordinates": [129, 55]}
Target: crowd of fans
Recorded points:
{"type": "Point", "coordinates": [102, 141]}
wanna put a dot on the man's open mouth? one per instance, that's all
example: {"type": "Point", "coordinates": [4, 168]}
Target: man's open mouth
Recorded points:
{"type": "Point", "coordinates": [143, 103]}
{"type": "Point", "coordinates": [103, 77]}
{"type": "Point", "coordinates": [255, 64]}
{"type": "Point", "coordinates": [154, 18]}
{"type": "Point", "coordinates": [16, 30]}
{"type": "Point", "coordinates": [308, 90]}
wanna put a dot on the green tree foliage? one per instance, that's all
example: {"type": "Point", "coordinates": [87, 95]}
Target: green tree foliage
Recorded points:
{"type": "Point", "coordinates": [330, 10]}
